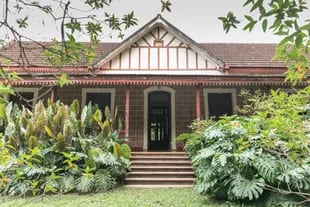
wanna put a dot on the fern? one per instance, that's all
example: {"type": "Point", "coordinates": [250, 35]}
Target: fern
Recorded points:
{"type": "Point", "coordinates": [243, 188]}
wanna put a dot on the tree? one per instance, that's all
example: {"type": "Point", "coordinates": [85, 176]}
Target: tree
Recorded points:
{"type": "Point", "coordinates": [71, 20]}
{"type": "Point", "coordinates": [282, 17]}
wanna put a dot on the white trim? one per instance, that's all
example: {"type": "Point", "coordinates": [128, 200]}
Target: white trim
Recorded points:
{"type": "Point", "coordinates": [35, 92]}
{"type": "Point", "coordinates": [164, 24]}
{"type": "Point", "coordinates": [177, 72]}
{"type": "Point", "coordinates": [206, 91]}
{"type": "Point", "coordinates": [99, 90]}
{"type": "Point", "coordinates": [146, 104]}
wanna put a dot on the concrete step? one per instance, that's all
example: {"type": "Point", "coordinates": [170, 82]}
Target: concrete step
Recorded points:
{"type": "Point", "coordinates": [146, 157]}
{"type": "Point", "coordinates": [159, 162]}
{"type": "Point", "coordinates": [158, 186]}
{"type": "Point", "coordinates": [161, 168]}
{"type": "Point", "coordinates": [161, 174]}
{"type": "Point", "coordinates": [157, 154]}
{"type": "Point", "coordinates": [159, 181]}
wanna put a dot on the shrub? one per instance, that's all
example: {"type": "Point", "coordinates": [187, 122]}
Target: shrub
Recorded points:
{"type": "Point", "coordinates": [58, 149]}
{"type": "Point", "coordinates": [264, 156]}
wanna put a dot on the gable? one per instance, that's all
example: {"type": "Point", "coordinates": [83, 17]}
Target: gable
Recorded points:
{"type": "Point", "coordinates": [159, 49]}
{"type": "Point", "coordinates": [159, 45]}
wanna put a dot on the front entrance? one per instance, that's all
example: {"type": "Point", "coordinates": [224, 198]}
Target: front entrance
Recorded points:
{"type": "Point", "coordinates": [159, 121]}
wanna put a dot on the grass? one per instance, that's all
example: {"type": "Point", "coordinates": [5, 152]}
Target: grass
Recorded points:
{"type": "Point", "coordinates": [121, 197]}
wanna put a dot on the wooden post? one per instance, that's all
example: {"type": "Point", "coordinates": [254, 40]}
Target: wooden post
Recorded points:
{"type": "Point", "coordinates": [127, 106]}
{"type": "Point", "coordinates": [53, 94]}
{"type": "Point", "coordinates": [198, 107]}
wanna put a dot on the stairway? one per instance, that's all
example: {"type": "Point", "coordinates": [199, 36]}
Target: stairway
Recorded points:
{"type": "Point", "coordinates": [160, 169]}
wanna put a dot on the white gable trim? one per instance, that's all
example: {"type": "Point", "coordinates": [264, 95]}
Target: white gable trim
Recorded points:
{"type": "Point", "coordinates": [159, 22]}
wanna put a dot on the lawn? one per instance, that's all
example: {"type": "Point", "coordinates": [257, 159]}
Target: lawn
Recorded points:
{"type": "Point", "coordinates": [121, 197]}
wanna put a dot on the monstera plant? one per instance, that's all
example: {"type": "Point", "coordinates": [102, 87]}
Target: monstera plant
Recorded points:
{"type": "Point", "coordinates": [263, 157]}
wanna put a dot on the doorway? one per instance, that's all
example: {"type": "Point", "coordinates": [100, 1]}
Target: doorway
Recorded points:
{"type": "Point", "coordinates": [159, 120]}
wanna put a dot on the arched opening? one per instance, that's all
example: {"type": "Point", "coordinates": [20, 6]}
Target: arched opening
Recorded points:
{"type": "Point", "coordinates": [159, 119]}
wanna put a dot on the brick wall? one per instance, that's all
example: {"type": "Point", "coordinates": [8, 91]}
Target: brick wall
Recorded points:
{"type": "Point", "coordinates": [185, 99]}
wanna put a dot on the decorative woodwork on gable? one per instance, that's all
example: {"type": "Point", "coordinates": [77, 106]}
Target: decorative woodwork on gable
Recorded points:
{"type": "Point", "coordinates": [161, 50]}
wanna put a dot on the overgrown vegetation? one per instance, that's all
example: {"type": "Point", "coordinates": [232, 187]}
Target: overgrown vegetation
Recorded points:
{"type": "Point", "coordinates": [263, 157]}
{"type": "Point", "coordinates": [57, 149]}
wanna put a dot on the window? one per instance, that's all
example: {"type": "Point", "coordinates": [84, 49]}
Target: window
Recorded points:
{"type": "Point", "coordinates": [101, 96]}
{"type": "Point", "coordinates": [25, 96]}
{"type": "Point", "coordinates": [219, 102]}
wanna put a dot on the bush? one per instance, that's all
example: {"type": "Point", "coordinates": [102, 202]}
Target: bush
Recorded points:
{"type": "Point", "coordinates": [58, 149]}
{"type": "Point", "coordinates": [264, 156]}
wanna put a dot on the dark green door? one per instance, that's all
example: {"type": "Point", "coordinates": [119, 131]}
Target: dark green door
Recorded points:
{"type": "Point", "coordinates": [159, 121]}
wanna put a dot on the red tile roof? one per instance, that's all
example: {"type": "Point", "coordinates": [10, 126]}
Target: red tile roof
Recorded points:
{"type": "Point", "coordinates": [244, 55]}
{"type": "Point", "coordinates": [232, 54]}
{"type": "Point", "coordinates": [32, 54]}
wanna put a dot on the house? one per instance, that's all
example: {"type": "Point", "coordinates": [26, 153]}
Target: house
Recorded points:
{"type": "Point", "coordinates": [159, 78]}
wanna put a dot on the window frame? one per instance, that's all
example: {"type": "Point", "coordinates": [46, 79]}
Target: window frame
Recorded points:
{"type": "Point", "coordinates": [33, 90]}
{"type": "Point", "coordinates": [232, 91]}
{"type": "Point", "coordinates": [99, 90]}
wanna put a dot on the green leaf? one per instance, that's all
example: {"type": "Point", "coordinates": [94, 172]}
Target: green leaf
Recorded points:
{"type": "Point", "coordinates": [22, 22]}
{"type": "Point", "coordinates": [165, 5]}
{"type": "Point", "coordinates": [49, 132]}
{"type": "Point", "coordinates": [247, 2]}
{"type": "Point", "coordinates": [298, 41]}
{"type": "Point", "coordinates": [63, 80]}
{"type": "Point", "coordinates": [10, 129]}
{"type": "Point", "coordinates": [250, 26]}
{"type": "Point", "coordinates": [103, 180]}
{"type": "Point", "coordinates": [74, 25]}
{"type": "Point", "coordinates": [249, 18]}
{"type": "Point", "coordinates": [243, 188]}
{"type": "Point", "coordinates": [85, 183]}
{"type": "Point", "coordinates": [258, 4]}
{"type": "Point", "coordinates": [265, 25]}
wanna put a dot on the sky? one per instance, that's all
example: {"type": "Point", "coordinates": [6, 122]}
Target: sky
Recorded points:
{"type": "Point", "coordinates": [196, 18]}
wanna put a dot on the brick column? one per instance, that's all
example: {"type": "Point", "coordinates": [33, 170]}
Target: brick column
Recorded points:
{"type": "Point", "coordinates": [198, 107]}
{"type": "Point", "coordinates": [127, 106]}
{"type": "Point", "coordinates": [53, 94]}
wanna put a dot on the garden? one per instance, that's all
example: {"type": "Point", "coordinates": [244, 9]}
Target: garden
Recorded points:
{"type": "Point", "coordinates": [261, 156]}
